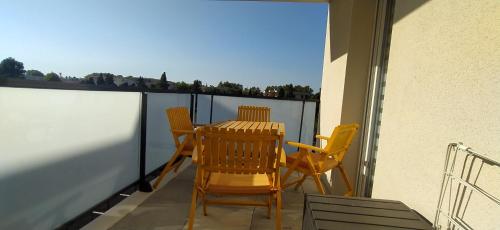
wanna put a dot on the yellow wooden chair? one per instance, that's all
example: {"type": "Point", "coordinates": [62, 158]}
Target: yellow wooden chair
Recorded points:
{"type": "Point", "coordinates": [313, 161]}
{"type": "Point", "coordinates": [237, 164]}
{"type": "Point", "coordinates": [180, 125]}
{"type": "Point", "coordinates": [254, 113]}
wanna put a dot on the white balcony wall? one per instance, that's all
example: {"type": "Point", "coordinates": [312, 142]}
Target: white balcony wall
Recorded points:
{"type": "Point", "coordinates": [159, 142]}
{"type": "Point", "coordinates": [62, 152]}
{"type": "Point", "coordinates": [443, 85]}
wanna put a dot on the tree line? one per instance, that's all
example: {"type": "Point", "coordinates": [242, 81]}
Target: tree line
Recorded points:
{"type": "Point", "coordinates": [11, 68]}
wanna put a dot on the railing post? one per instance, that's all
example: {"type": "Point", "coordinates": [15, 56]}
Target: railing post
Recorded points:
{"type": "Point", "coordinates": [191, 104]}
{"type": "Point", "coordinates": [144, 185]}
{"type": "Point", "coordinates": [211, 107]}
{"type": "Point", "coordinates": [301, 119]}
{"type": "Point", "coordinates": [316, 123]}
{"type": "Point", "coordinates": [196, 109]}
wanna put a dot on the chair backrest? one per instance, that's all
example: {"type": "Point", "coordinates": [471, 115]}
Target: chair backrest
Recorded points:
{"type": "Point", "coordinates": [340, 140]}
{"type": "Point", "coordinates": [179, 119]}
{"type": "Point", "coordinates": [238, 153]}
{"type": "Point", "coordinates": [254, 113]}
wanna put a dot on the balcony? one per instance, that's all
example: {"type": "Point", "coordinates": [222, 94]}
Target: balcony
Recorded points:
{"type": "Point", "coordinates": [77, 158]}
{"type": "Point", "coordinates": [77, 155]}
{"type": "Point", "coordinates": [168, 208]}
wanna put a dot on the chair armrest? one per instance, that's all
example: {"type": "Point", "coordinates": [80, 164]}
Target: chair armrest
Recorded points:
{"type": "Point", "coordinates": [304, 146]}
{"type": "Point", "coordinates": [322, 137]}
{"type": "Point", "coordinates": [181, 131]}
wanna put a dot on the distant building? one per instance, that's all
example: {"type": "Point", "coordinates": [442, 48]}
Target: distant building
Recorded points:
{"type": "Point", "coordinates": [271, 93]}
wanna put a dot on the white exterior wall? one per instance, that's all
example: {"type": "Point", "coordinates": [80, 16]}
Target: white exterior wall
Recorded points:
{"type": "Point", "coordinates": [443, 85]}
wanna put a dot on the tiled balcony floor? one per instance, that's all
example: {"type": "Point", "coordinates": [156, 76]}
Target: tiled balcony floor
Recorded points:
{"type": "Point", "coordinates": [168, 208]}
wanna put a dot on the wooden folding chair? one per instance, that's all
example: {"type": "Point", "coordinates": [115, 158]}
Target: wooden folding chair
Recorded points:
{"type": "Point", "coordinates": [313, 161]}
{"type": "Point", "coordinates": [180, 125]}
{"type": "Point", "coordinates": [237, 163]}
{"type": "Point", "coordinates": [254, 113]}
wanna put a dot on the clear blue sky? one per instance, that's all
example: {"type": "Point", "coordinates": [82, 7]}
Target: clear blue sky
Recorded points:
{"type": "Point", "coordinates": [252, 43]}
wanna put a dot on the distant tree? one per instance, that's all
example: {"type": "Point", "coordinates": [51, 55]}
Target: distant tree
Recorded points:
{"type": "Point", "coordinates": [124, 85]}
{"type": "Point", "coordinates": [84, 81]}
{"type": "Point", "coordinates": [230, 88]}
{"type": "Point", "coordinates": [253, 91]}
{"type": "Point", "coordinates": [183, 86]}
{"type": "Point", "coordinates": [100, 80]}
{"type": "Point", "coordinates": [108, 80]}
{"type": "Point", "coordinates": [196, 87]}
{"type": "Point", "coordinates": [52, 77]}
{"type": "Point", "coordinates": [141, 84]}
{"type": "Point", "coordinates": [210, 89]}
{"type": "Point", "coordinates": [281, 92]}
{"type": "Point", "coordinates": [318, 94]}
{"type": "Point", "coordinates": [289, 91]}
{"type": "Point", "coordinates": [9, 67]}
{"type": "Point", "coordinates": [163, 84]}
{"type": "Point", "coordinates": [304, 92]}
{"type": "Point", "coordinates": [34, 72]}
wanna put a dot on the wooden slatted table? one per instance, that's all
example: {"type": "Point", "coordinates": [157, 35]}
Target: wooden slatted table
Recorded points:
{"type": "Point", "coordinates": [338, 212]}
{"type": "Point", "coordinates": [277, 128]}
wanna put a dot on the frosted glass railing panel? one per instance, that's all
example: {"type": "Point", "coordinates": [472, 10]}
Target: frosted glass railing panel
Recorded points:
{"type": "Point", "coordinates": [308, 123]}
{"type": "Point", "coordinates": [159, 143]}
{"type": "Point", "coordinates": [62, 152]}
{"type": "Point", "coordinates": [287, 111]}
{"type": "Point", "coordinates": [203, 112]}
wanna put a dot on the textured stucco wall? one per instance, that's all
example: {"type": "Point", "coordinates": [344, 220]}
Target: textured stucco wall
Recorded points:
{"type": "Point", "coordinates": [443, 85]}
{"type": "Point", "coordinates": [334, 64]}
{"type": "Point", "coordinates": [345, 76]}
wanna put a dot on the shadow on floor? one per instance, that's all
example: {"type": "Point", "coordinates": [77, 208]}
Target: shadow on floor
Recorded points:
{"type": "Point", "coordinates": [168, 208]}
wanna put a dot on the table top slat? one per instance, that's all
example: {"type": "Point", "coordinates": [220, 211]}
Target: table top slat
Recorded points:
{"type": "Point", "coordinates": [331, 225]}
{"type": "Point", "coordinates": [275, 128]}
{"type": "Point", "coordinates": [247, 126]}
{"type": "Point", "coordinates": [366, 219]}
{"type": "Point", "coordinates": [405, 214]}
{"type": "Point", "coordinates": [240, 125]}
{"type": "Point", "coordinates": [269, 127]}
{"type": "Point", "coordinates": [337, 212]}
{"type": "Point", "coordinates": [360, 203]}
{"type": "Point", "coordinates": [262, 126]}
{"type": "Point", "coordinates": [233, 125]}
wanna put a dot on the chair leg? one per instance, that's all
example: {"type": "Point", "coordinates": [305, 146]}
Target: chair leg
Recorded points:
{"type": "Point", "coordinates": [319, 185]}
{"type": "Point", "coordinates": [179, 164]}
{"type": "Point", "coordinates": [285, 177]}
{"type": "Point", "coordinates": [192, 210]}
{"type": "Point", "coordinates": [167, 168]}
{"type": "Point", "coordinates": [346, 180]}
{"type": "Point", "coordinates": [278, 210]}
{"type": "Point", "coordinates": [269, 205]}
{"type": "Point", "coordinates": [162, 175]}
{"type": "Point", "coordinates": [205, 213]}
{"type": "Point", "coordinates": [300, 182]}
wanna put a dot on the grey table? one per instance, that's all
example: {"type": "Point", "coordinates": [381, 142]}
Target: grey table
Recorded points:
{"type": "Point", "coordinates": [338, 212]}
